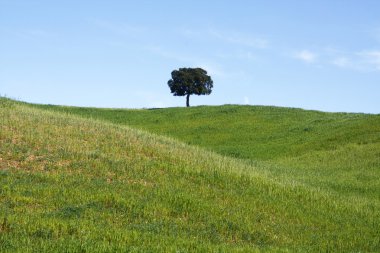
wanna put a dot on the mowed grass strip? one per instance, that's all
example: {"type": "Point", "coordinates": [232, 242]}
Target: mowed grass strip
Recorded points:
{"type": "Point", "coordinates": [73, 184]}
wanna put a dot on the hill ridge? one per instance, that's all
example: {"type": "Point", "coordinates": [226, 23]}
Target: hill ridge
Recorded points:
{"type": "Point", "coordinates": [59, 170]}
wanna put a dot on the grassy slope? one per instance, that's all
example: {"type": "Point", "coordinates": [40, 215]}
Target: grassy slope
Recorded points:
{"type": "Point", "coordinates": [73, 184]}
{"type": "Point", "coordinates": [338, 152]}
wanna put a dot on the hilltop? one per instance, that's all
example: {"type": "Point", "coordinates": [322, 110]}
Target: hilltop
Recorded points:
{"type": "Point", "coordinates": [93, 182]}
{"type": "Point", "coordinates": [338, 152]}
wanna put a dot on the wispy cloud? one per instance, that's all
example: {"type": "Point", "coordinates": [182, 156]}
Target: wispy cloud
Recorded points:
{"type": "Point", "coordinates": [241, 39]}
{"type": "Point", "coordinates": [172, 55]}
{"type": "Point", "coordinates": [306, 56]}
{"type": "Point", "coordinates": [342, 62]}
{"type": "Point", "coordinates": [367, 60]}
{"type": "Point", "coordinates": [231, 37]}
{"type": "Point", "coordinates": [119, 28]}
{"type": "Point", "coordinates": [239, 55]}
{"type": "Point", "coordinates": [212, 69]}
{"type": "Point", "coordinates": [189, 60]}
{"type": "Point", "coordinates": [372, 58]}
{"type": "Point", "coordinates": [29, 34]}
{"type": "Point", "coordinates": [189, 33]}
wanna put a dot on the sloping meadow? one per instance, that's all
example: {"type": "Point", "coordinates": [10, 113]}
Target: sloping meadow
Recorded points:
{"type": "Point", "coordinates": [74, 184]}
{"type": "Point", "coordinates": [335, 152]}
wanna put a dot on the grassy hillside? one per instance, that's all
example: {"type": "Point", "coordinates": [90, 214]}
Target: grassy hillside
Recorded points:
{"type": "Point", "coordinates": [74, 184]}
{"type": "Point", "coordinates": [337, 152]}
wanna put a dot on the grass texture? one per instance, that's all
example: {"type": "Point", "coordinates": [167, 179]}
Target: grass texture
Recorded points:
{"type": "Point", "coordinates": [337, 152]}
{"type": "Point", "coordinates": [91, 183]}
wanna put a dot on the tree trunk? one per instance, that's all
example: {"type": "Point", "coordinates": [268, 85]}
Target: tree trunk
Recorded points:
{"type": "Point", "coordinates": [187, 100]}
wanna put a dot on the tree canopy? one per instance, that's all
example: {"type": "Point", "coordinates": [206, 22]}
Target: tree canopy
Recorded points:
{"type": "Point", "coordinates": [190, 81]}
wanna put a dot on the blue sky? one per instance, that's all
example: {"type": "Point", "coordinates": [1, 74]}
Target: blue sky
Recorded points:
{"type": "Point", "coordinates": [322, 55]}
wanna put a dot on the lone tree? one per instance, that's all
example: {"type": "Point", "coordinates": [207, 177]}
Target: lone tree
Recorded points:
{"type": "Point", "coordinates": [189, 81]}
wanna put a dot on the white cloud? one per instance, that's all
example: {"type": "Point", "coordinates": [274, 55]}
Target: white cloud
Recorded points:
{"type": "Point", "coordinates": [342, 62]}
{"type": "Point", "coordinates": [120, 28]}
{"type": "Point", "coordinates": [364, 61]}
{"type": "Point", "coordinates": [306, 56]}
{"type": "Point", "coordinates": [237, 38]}
{"type": "Point", "coordinates": [372, 58]}
{"type": "Point", "coordinates": [246, 101]}
{"type": "Point", "coordinates": [214, 69]}
{"type": "Point", "coordinates": [188, 33]}
{"type": "Point", "coordinates": [30, 34]}
{"type": "Point", "coordinates": [240, 55]}
{"type": "Point", "coordinates": [240, 39]}
{"type": "Point", "coordinates": [171, 54]}
{"type": "Point", "coordinates": [189, 60]}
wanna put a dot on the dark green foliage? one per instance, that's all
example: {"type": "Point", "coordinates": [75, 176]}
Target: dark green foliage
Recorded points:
{"type": "Point", "coordinates": [190, 81]}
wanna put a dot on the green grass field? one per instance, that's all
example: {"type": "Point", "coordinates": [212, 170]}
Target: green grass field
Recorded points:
{"type": "Point", "coordinates": [339, 152]}
{"type": "Point", "coordinates": [204, 179]}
